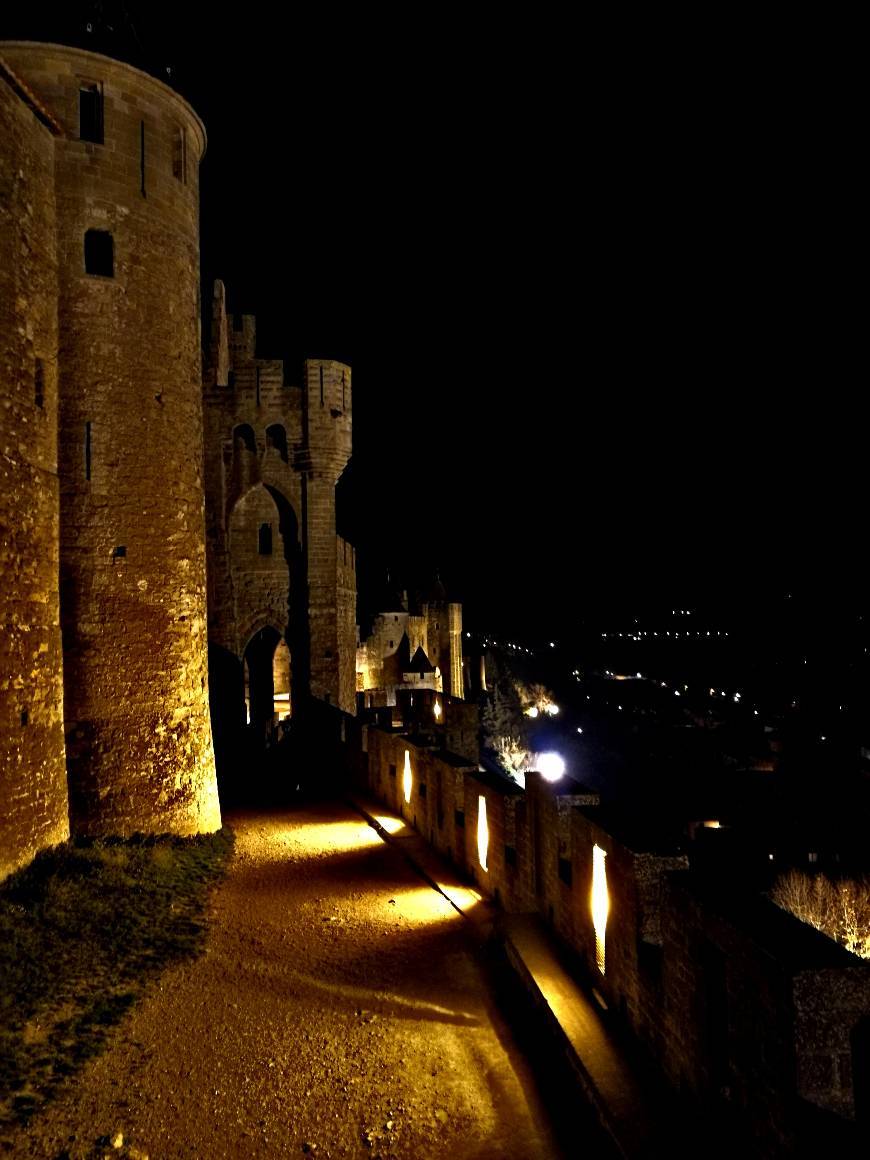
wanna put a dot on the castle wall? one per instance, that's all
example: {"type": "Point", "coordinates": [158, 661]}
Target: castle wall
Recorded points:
{"type": "Point", "coordinates": [130, 451]}
{"type": "Point", "coordinates": [34, 809]}
{"type": "Point", "coordinates": [266, 438]}
{"type": "Point", "coordinates": [327, 422]}
{"type": "Point", "coordinates": [261, 581]}
{"type": "Point", "coordinates": [345, 611]}
{"type": "Point", "coordinates": [749, 1014]}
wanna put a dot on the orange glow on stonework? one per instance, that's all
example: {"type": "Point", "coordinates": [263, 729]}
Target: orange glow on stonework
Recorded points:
{"type": "Point", "coordinates": [407, 778]}
{"type": "Point", "coordinates": [600, 903]}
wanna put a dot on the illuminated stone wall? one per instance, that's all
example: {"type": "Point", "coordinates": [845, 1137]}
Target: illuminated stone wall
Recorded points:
{"type": "Point", "coordinates": [132, 543]}
{"type": "Point", "coordinates": [744, 1009]}
{"type": "Point", "coordinates": [273, 455]}
{"type": "Point", "coordinates": [328, 402]}
{"type": "Point", "coordinates": [33, 792]}
{"type": "Point", "coordinates": [444, 635]}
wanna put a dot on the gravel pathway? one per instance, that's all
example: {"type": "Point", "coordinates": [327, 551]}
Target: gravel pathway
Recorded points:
{"type": "Point", "coordinates": [338, 1011]}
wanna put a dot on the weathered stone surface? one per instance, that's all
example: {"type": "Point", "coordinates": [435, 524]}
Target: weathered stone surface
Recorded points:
{"type": "Point", "coordinates": [132, 542]}
{"type": "Point", "coordinates": [273, 455]}
{"type": "Point", "coordinates": [33, 793]}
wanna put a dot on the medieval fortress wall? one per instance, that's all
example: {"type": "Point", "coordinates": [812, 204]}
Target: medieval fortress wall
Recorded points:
{"type": "Point", "coordinates": [104, 705]}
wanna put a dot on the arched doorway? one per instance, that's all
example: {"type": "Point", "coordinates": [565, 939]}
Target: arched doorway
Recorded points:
{"type": "Point", "coordinates": [265, 657]}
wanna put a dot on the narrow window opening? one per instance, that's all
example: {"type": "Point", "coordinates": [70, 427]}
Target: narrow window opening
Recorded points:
{"type": "Point", "coordinates": [265, 540]}
{"type": "Point", "coordinates": [142, 158]}
{"type": "Point", "coordinates": [276, 437]}
{"type": "Point", "coordinates": [179, 156]}
{"type": "Point", "coordinates": [87, 450]}
{"type": "Point", "coordinates": [120, 552]}
{"type": "Point", "coordinates": [91, 113]}
{"type": "Point", "coordinates": [39, 384]}
{"type": "Point", "coordinates": [25, 718]}
{"type": "Point", "coordinates": [99, 253]}
{"type": "Point", "coordinates": [258, 386]}
{"type": "Point", "coordinates": [321, 386]}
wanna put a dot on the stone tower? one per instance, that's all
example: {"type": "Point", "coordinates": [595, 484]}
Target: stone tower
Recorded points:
{"type": "Point", "coordinates": [132, 542]}
{"type": "Point", "coordinates": [34, 809]}
{"type": "Point", "coordinates": [280, 578]}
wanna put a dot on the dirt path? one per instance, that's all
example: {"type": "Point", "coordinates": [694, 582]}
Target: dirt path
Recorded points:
{"type": "Point", "coordinates": [338, 1011]}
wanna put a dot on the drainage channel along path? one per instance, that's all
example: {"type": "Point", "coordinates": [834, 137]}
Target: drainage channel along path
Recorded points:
{"type": "Point", "coordinates": [339, 1010]}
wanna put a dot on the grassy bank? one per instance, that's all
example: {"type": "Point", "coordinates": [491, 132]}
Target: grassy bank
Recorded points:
{"type": "Point", "coordinates": [82, 930]}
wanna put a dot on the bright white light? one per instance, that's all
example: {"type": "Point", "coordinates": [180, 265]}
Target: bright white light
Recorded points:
{"type": "Point", "coordinates": [550, 766]}
{"type": "Point", "coordinates": [600, 903]}
{"type": "Point", "coordinates": [552, 644]}
{"type": "Point", "coordinates": [638, 676]}
{"type": "Point", "coordinates": [579, 728]}
{"type": "Point", "coordinates": [676, 692]}
{"type": "Point", "coordinates": [407, 779]}
{"type": "Point", "coordinates": [437, 710]}
{"type": "Point", "coordinates": [482, 832]}
{"type": "Point", "coordinates": [551, 709]}
{"type": "Point", "coordinates": [468, 634]}
{"type": "Point", "coordinates": [532, 712]}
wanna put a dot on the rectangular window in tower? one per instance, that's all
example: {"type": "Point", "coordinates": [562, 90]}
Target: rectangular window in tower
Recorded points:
{"type": "Point", "coordinates": [99, 253]}
{"type": "Point", "coordinates": [91, 112]}
{"type": "Point", "coordinates": [179, 156]}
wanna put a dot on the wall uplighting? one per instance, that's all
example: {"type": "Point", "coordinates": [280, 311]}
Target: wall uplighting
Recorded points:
{"type": "Point", "coordinates": [407, 778]}
{"type": "Point", "coordinates": [600, 903]}
{"type": "Point", "coordinates": [437, 710]}
{"type": "Point", "coordinates": [482, 832]}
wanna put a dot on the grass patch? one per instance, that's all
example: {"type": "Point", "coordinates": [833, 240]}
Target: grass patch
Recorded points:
{"type": "Point", "coordinates": [82, 930]}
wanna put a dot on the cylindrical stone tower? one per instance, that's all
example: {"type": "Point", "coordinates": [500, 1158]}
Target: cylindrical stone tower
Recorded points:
{"type": "Point", "coordinates": [132, 540]}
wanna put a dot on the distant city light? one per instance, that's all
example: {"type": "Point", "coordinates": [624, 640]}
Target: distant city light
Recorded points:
{"type": "Point", "coordinates": [552, 644]}
{"type": "Point", "coordinates": [579, 728]}
{"type": "Point", "coordinates": [550, 766]}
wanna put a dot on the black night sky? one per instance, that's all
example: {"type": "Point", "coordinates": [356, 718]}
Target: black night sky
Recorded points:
{"type": "Point", "coordinates": [594, 284]}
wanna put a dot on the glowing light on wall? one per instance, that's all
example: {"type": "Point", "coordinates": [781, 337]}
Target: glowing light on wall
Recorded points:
{"type": "Point", "coordinates": [532, 712]}
{"type": "Point", "coordinates": [600, 903]}
{"type": "Point", "coordinates": [550, 766]}
{"type": "Point", "coordinates": [437, 710]}
{"type": "Point", "coordinates": [407, 778]}
{"type": "Point", "coordinates": [482, 832]}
